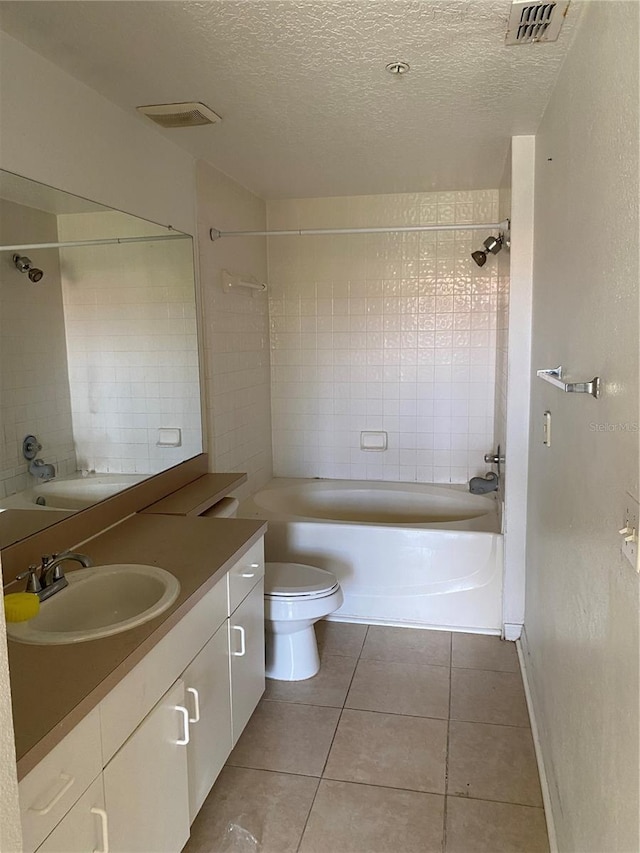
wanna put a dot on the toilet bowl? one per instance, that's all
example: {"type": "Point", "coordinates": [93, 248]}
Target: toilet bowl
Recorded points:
{"type": "Point", "coordinates": [295, 597]}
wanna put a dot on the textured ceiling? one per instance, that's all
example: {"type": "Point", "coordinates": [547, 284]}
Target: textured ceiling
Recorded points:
{"type": "Point", "coordinates": [307, 107]}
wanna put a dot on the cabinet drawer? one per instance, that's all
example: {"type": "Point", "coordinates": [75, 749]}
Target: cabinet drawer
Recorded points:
{"type": "Point", "coordinates": [245, 574]}
{"type": "Point", "coordinates": [59, 780]}
{"type": "Point", "coordinates": [131, 700]}
{"type": "Point", "coordinates": [84, 829]}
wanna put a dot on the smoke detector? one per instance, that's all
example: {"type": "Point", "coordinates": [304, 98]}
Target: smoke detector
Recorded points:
{"type": "Point", "coordinates": [535, 21]}
{"type": "Point", "coordinates": [189, 114]}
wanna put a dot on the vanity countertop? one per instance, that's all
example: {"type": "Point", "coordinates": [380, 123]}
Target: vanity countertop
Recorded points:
{"type": "Point", "coordinates": [54, 687]}
{"type": "Point", "coordinates": [198, 496]}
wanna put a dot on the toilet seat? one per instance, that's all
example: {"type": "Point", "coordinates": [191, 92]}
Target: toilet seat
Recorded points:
{"type": "Point", "coordinates": [298, 581]}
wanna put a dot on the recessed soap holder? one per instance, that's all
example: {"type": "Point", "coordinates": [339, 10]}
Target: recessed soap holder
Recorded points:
{"type": "Point", "coordinates": [375, 441]}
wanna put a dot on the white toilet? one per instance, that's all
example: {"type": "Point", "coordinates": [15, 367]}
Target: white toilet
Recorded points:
{"type": "Point", "coordinates": [295, 597]}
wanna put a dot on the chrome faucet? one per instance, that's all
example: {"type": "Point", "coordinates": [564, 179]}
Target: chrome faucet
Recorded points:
{"type": "Point", "coordinates": [52, 578]}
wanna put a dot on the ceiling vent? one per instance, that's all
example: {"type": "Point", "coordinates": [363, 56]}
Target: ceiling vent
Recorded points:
{"type": "Point", "coordinates": [180, 115]}
{"type": "Point", "coordinates": [535, 21]}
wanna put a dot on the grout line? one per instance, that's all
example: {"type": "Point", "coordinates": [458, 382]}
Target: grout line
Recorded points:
{"type": "Point", "coordinates": [446, 760]}
{"type": "Point", "coordinates": [386, 787]}
{"type": "Point", "coordinates": [486, 669]}
{"type": "Point", "coordinates": [335, 731]}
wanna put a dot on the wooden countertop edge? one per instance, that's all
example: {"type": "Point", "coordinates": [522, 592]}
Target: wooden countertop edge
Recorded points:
{"type": "Point", "coordinates": [30, 759]}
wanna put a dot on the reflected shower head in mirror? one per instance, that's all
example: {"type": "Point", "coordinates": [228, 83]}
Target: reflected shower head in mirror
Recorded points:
{"type": "Point", "coordinates": [491, 244]}
{"type": "Point", "coordinates": [23, 264]}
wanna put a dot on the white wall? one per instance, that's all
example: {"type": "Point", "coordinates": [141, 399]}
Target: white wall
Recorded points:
{"type": "Point", "coordinates": [392, 332]}
{"type": "Point", "coordinates": [582, 606]}
{"type": "Point", "coordinates": [56, 130]}
{"type": "Point", "coordinates": [519, 383]}
{"type": "Point", "coordinates": [236, 330]}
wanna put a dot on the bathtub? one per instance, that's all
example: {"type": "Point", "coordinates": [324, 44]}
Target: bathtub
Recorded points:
{"type": "Point", "coordinates": [426, 556]}
{"type": "Point", "coordinates": [71, 493]}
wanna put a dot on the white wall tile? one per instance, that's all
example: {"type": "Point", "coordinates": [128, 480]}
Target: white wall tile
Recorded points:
{"type": "Point", "coordinates": [408, 320]}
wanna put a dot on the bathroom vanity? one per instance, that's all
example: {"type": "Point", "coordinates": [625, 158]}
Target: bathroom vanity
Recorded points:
{"type": "Point", "coordinates": [119, 740]}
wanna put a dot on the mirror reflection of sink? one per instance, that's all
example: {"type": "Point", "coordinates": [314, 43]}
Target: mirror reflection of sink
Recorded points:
{"type": "Point", "coordinates": [99, 602]}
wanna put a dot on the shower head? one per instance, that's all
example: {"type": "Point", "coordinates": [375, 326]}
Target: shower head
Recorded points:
{"type": "Point", "coordinates": [23, 264]}
{"type": "Point", "coordinates": [491, 244]}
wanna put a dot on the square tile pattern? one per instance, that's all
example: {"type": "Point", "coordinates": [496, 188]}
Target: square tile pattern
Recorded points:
{"type": "Point", "coordinates": [406, 740]}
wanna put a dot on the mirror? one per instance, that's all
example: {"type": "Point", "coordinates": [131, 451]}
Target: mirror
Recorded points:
{"type": "Point", "coordinates": [98, 353]}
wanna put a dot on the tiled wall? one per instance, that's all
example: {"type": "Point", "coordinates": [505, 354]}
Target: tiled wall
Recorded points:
{"type": "Point", "coordinates": [132, 345]}
{"type": "Point", "coordinates": [34, 387]}
{"type": "Point", "coordinates": [236, 331]}
{"type": "Point", "coordinates": [382, 332]}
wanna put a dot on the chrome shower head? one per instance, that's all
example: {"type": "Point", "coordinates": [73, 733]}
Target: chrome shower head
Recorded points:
{"type": "Point", "coordinates": [491, 244]}
{"type": "Point", "coordinates": [23, 264]}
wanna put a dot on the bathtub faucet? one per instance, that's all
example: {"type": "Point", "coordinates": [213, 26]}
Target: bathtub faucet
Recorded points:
{"type": "Point", "coordinates": [484, 485]}
{"type": "Point", "coordinates": [43, 471]}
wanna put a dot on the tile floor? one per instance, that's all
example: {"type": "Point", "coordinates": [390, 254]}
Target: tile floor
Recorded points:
{"type": "Point", "coordinates": [405, 741]}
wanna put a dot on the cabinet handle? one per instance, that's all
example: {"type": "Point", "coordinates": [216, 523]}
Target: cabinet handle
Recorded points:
{"type": "Point", "coordinates": [67, 783]}
{"type": "Point", "coordinates": [243, 647]}
{"type": "Point", "coordinates": [196, 705]}
{"type": "Point", "coordinates": [184, 740]}
{"type": "Point", "coordinates": [104, 825]}
{"type": "Point", "coordinates": [250, 574]}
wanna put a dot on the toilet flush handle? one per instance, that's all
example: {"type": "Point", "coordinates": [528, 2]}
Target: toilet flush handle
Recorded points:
{"type": "Point", "coordinates": [243, 645]}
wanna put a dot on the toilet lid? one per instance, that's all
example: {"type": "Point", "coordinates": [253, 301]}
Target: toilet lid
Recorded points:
{"type": "Point", "coordinates": [296, 579]}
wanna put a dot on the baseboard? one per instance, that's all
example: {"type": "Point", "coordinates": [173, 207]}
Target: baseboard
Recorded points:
{"type": "Point", "coordinates": [523, 654]}
{"type": "Point", "coordinates": [511, 631]}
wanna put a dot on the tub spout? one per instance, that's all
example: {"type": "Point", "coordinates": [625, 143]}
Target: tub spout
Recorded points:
{"type": "Point", "coordinates": [43, 471]}
{"type": "Point", "coordinates": [484, 485]}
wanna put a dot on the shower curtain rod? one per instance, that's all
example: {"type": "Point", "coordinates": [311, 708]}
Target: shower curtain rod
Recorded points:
{"type": "Point", "coordinates": [215, 234]}
{"type": "Point", "coordinates": [106, 242]}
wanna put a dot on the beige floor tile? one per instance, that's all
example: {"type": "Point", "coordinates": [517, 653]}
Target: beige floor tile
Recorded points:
{"type": "Point", "coordinates": [386, 749]}
{"type": "Point", "coordinates": [488, 697]}
{"type": "Point", "coordinates": [348, 818]}
{"type": "Point", "coordinates": [476, 826]}
{"type": "Point", "coordinates": [407, 645]}
{"type": "Point", "coordinates": [340, 638]}
{"type": "Point", "coordinates": [287, 738]}
{"type": "Point", "coordinates": [400, 688]}
{"type": "Point", "coordinates": [270, 807]}
{"type": "Point", "coordinates": [479, 651]}
{"type": "Point", "coordinates": [328, 687]}
{"type": "Point", "coordinates": [493, 763]}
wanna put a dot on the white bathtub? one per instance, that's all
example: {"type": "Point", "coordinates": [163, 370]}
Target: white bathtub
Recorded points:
{"type": "Point", "coordinates": [71, 493]}
{"type": "Point", "coordinates": [405, 554]}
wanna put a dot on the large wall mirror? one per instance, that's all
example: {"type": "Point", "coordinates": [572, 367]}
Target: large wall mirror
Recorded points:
{"type": "Point", "coordinates": [99, 379]}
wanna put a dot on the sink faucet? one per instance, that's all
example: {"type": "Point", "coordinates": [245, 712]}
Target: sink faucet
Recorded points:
{"type": "Point", "coordinates": [52, 578]}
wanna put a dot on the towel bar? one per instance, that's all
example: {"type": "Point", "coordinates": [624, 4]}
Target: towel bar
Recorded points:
{"type": "Point", "coordinates": [554, 376]}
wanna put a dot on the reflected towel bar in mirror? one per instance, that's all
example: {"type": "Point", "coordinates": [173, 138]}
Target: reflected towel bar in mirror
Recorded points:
{"type": "Point", "coordinates": [554, 376]}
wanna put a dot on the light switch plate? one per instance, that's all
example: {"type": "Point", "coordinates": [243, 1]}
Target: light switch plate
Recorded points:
{"type": "Point", "coordinates": [629, 531]}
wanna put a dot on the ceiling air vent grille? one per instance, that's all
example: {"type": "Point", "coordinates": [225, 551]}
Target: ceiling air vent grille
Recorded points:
{"type": "Point", "coordinates": [180, 115]}
{"type": "Point", "coordinates": [535, 21]}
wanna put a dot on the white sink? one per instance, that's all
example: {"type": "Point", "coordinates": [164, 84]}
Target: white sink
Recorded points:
{"type": "Point", "coordinates": [99, 602]}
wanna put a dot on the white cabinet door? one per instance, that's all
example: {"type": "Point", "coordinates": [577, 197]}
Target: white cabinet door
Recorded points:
{"type": "Point", "coordinates": [246, 654]}
{"type": "Point", "coordinates": [206, 680]}
{"type": "Point", "coordinates": [84, 829]}
{"type": "Point", "coordinates": [145, 783]}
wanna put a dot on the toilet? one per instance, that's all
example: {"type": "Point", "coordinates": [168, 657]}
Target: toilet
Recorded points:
{"type": "Point", "coordinates": [296, 596]}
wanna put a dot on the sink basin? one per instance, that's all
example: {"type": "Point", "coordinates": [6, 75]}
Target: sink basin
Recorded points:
{"type": "Point", "coordinates": [99, 602]}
